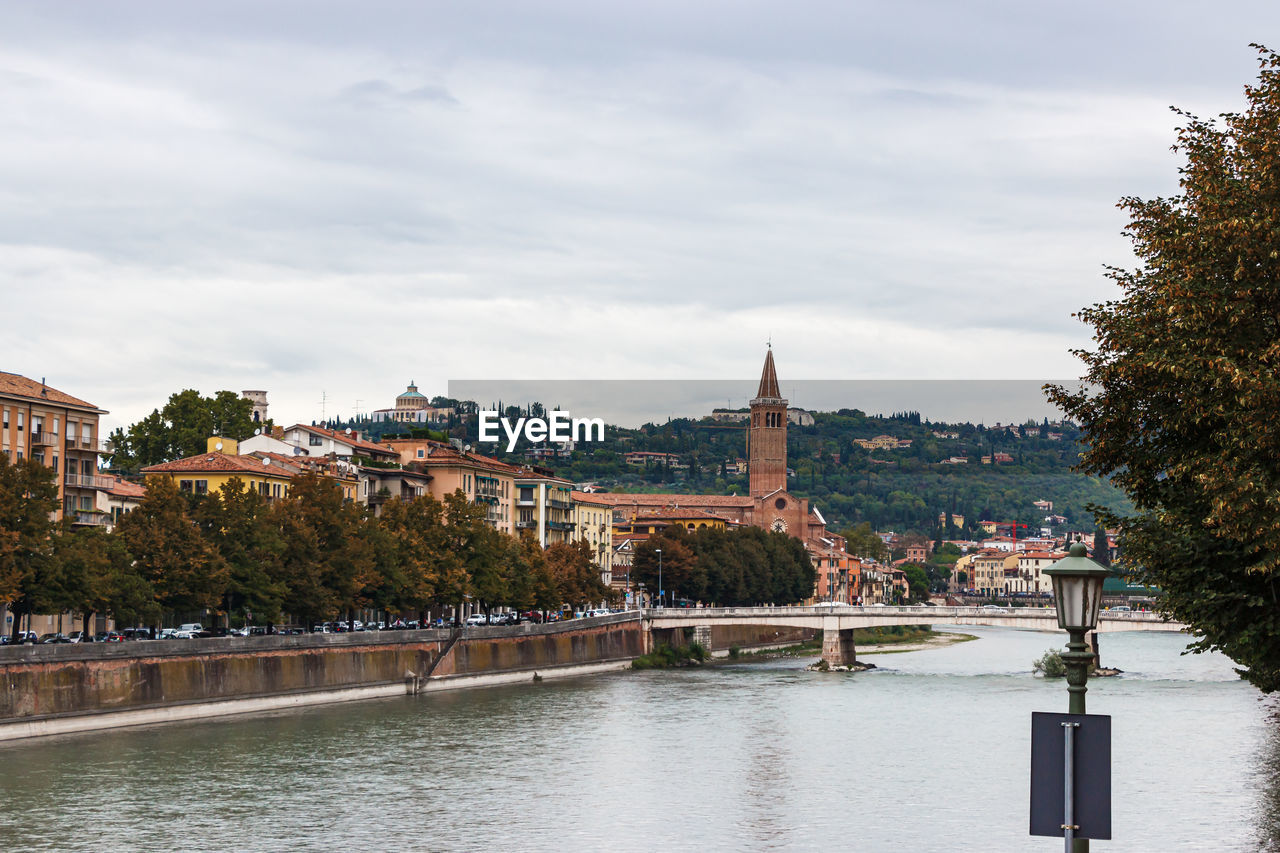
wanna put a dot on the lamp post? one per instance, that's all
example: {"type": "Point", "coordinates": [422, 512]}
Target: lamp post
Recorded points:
{"type": "Point", "coordinates": [661, 590]}
{"type": "Point", "coordinates": [1077, 593]}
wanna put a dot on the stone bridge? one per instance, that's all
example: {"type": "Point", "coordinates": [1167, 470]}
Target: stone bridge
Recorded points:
{"type": "Point", "coordinates": [837, 622]}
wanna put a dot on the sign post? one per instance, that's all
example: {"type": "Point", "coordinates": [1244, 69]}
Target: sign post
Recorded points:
{"type": "Point", "coordinates": [1071, 776]}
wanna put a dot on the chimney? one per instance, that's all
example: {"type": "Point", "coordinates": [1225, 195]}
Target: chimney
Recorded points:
{"type": "Point", "coordinates": [44, 391]}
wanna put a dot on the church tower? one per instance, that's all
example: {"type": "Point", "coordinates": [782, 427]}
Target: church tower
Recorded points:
{"type": "Point", "coordinates": [767, 471]}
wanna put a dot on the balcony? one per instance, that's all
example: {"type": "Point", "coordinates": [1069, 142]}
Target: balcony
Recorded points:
{"type": "Point", "coordinates": [526, 525]}
{"type": "Point", "coordinates": [89, 481]}
{"type": "Point", "coordinates": [556, 503]}
{"type": "Point", "coordinates": [43, 439]}
{"type": "Point", "coordinates": [526, 502]}
{"type": "Point", "coordinates": [560, 525]}
{"type": "Point", "coordinates": [91, 519]}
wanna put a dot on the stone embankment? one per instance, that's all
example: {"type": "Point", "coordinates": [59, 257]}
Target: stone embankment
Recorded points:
{"type": "Point", "coordinates": [58, 689]}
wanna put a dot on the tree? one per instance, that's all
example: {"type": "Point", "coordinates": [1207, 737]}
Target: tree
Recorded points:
{"type": "Point", "coordinates": [236, 521]}
{"type": "Point", "coordinates": [28, 500]}
{"type": "Point", "coordinates": [917, 582]}
{"type": "Point", "coordinates": [182, 428]}
{"type": "Point", "coordinates": [170, 552]}
{"type": "Point", "coordinates": [1183, 385]}
{"type": "Point", "coordinates": [862, 541]}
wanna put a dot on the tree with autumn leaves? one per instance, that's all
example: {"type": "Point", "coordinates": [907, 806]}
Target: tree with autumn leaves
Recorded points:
{"type": "Point", "coordinates": [311, 556]}
{"type": "Point", "coordinates": [1180, 394]}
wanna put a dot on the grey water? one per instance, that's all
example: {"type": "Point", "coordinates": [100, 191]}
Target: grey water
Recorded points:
{"type": "Point", "coordinates": [929, 752]}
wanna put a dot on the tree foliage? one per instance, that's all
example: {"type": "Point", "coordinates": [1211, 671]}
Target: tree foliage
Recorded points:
{"type": "Point", "coordinates": [1180, 409]}
{"type": "Point", "coordinates": [182, 428]}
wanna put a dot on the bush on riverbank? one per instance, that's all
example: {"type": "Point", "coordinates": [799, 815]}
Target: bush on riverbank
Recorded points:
{"type": "Point", "coordinates": [667, 656]}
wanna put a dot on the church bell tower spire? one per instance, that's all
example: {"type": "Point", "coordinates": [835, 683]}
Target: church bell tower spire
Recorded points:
{"type": "Point", "coordinates": [767, 433]}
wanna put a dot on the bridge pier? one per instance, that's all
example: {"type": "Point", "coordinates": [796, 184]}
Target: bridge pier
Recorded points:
{"type": "Point", "coordinates": [702, 636]}
{"type": "Point", "coordinates": [837, 647]}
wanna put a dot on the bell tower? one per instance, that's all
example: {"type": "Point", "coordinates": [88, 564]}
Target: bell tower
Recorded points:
{"type": "Point", "coordinates": [767, 434]}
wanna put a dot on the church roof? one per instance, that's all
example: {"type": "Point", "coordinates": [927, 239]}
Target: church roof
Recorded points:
{"type": "Point", "coordinates": [769, 378]}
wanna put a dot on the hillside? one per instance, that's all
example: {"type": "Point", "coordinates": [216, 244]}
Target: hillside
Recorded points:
{"type": "Point", "coordinates": [905, 487]}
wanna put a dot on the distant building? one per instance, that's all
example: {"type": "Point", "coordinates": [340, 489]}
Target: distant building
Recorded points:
{"type": "Point", "coordinates": [259, 400]}
{"type": "Point", "coordinates": [413, 407]}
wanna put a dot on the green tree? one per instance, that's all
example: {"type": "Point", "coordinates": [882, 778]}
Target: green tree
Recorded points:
{"type": "Point", "coordinates": [28, 500]}
{"type": "Point", "coordinates": [171, 553]}
{"type": "Point", "coordinates": [917, 582]}
{"type": "Point", "coordinates": [236, 520]}
{"type": "Point", "coordinates": [182, 428]}
{"type": "Point", "coordinates": [1180, 410]}
{"type": "Point", "coordinates": [862, 541]}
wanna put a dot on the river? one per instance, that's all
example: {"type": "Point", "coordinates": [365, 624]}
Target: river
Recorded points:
{"type": "Point", "coordinates": [930, 752]}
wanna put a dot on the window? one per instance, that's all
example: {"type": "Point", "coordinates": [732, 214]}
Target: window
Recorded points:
{"type": "Point", "coordinates": [202, 487]}
{"type": "Point", "coordinates": [71, 430]}
{"type": "Point", "coordinates": [6, 419]}
{"type": "Point", "coordinates": [55, 463]}
{"type": "Point", "coordinates": [19, 454]}
{"type": "Point", "coordinates": [38, 455]}
{"type": "Point", "coordinates": [421, 453]}
{"type": "Point", "coordinates": [57, 426]}
{"type": "Point", "coordinates": [184, 486]}
{"type": "Point", "coordinates": [315, 440]}
{"type": "Point", "coordinates": [86, 503]}
{"type": "Point", "coordinates": [86, 433]}
{"type": "Point", "coordinates": [275, 490]}
{"type": "Point", "coordinates": [70, 504]}
{"type": "Point", "coordinates": [21, 420]}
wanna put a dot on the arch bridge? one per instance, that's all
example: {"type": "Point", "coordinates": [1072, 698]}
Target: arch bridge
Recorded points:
{"type": "Point", "coordinates": [838, 622]}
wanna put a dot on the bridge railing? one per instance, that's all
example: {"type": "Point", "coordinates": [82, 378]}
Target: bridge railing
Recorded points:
{"type": "Point", "coordinates": [1047, 613]}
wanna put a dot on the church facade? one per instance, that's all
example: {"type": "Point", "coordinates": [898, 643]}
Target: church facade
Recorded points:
{"type": "Point", "coordinates": [767, 503]}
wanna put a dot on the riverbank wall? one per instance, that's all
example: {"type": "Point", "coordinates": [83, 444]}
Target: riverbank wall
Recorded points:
{"type": "Point", "coordinates": [62, 688]}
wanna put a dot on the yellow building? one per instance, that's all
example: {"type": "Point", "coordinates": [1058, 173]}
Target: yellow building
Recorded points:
{"type": "Point", "coordinates": [208, 472]}
{"type": "Point", "coordinates": [655, 521]}
{"type": "Point", "coordinates": [592, 521]}
{"type": "Point", "coordinates": [544, 505]}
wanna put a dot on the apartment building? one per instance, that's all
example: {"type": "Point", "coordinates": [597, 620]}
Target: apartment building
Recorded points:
{"type": "Point", "coordinates": [482, 479]}
{"type": "Point", "coordinates": [59, 431]}
{"type": "Point", "coordinates": [592, 521]}
{"type": "Point", "coordinates": [544, 505]}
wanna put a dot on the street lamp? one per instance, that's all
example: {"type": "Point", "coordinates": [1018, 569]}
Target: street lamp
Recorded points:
{"type": "Point", "coordinates": [1077, 592]}
{"type": "Point", "coordinates": [661, 591]}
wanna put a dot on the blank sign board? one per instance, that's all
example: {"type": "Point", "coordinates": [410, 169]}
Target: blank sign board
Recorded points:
{"type": "Point", "coordinates": [1092, 760]}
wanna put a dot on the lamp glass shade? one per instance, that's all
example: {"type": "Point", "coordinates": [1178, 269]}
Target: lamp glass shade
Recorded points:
{"type": "Point", "coordinates": [1077, 590]}
{"type": "Point", "coordinates": [1079, 598]}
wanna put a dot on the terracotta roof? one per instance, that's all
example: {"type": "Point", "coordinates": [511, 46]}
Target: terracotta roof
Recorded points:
{"type": "Point", "coordinates": [588, 498]}
{"type": "Point", "coordinates": [677, 513]}
{"type": "Point", "coordinates": [666, 500]}
{"type": "Point", "coordinates": [343, 438]}
{"type": "Point", "coordinates": [440, 453]}
{"type": "Point", "coordinates": [221, 463]}
{"type": "Point", "coordinates": [122, 488]}
{"type": "Point", "coordinates": [20, 386]}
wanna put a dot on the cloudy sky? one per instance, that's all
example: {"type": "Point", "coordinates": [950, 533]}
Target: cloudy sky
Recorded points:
{"type": "Point", "coordinates": [333, 198]}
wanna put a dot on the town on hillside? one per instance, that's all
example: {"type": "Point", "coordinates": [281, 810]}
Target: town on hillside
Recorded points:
{"type": "Point", "coordinates": [887, 510]}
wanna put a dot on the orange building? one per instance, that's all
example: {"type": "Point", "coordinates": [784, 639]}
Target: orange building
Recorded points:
{"type": "Point", "coordinates": [60, 432]}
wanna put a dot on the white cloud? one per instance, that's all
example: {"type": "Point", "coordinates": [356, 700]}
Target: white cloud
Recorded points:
{"type": "Point", "coordinates": [226, 196]}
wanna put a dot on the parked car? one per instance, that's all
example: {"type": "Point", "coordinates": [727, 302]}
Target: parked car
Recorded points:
{"type": "Point", "coordinates": [137, 633]}
{"type": "Point", "coordinates": [53, 638]}
{"type": "Point", "coordinates": [477, 619]}
{"type": "Point", "coordinates": [79, 637]}
{"type": "Point", "coordinates": [191, 627]}
{"type": "Point", "coordinates": [111, 637]}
